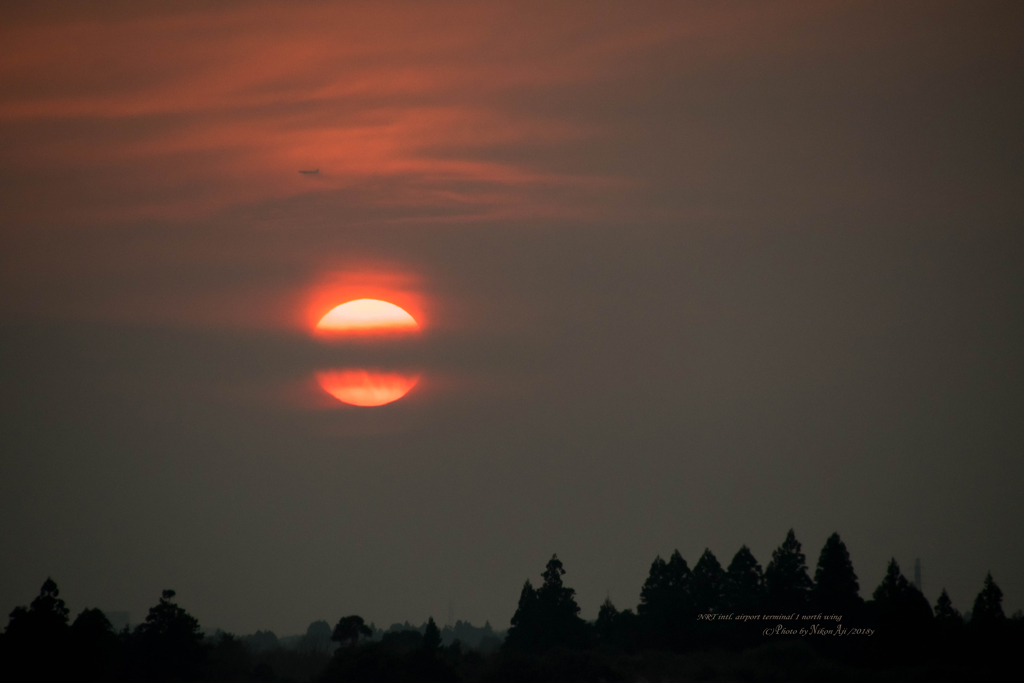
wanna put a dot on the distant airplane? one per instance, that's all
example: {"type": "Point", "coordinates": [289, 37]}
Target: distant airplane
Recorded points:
{"type": "Point", "coordinates": [316, 172]}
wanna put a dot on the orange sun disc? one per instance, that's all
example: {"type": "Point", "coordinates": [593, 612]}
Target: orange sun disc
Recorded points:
{"type": "Point", "coordinates": [367, 315]}
{"type": "Point", "coordinates": [359, 387]}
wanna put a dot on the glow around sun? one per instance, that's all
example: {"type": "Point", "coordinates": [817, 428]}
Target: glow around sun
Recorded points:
{"type": "Point", "coordinates": [367, 315]}
{"type": "Point", "coordinates": [361, 387]}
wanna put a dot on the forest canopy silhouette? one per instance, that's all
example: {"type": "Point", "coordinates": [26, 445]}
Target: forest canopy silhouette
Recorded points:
{"type": "Point", "coordinates": [734, 623]}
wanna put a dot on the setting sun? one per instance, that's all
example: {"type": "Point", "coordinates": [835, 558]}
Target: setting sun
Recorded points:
{"type": "Point", "coordinates": [367, 315]}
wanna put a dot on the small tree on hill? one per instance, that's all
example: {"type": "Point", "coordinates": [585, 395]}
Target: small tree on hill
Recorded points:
{"type": "Point", "coordinates": [349, 629]}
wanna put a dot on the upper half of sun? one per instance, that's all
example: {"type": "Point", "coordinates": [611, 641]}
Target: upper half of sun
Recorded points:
{"type": "Point", "coordinates": [367, 316]}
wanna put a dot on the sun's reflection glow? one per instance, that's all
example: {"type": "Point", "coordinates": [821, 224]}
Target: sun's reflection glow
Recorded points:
{"type": "Point", "coordinates": [362, 387]}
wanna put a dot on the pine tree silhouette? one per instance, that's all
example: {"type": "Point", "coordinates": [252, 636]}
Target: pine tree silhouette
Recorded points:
{"type": "Point", "coordinates": [897, 602]}
{"type": "Point", "coordinates": [707, 584]}
{"type": "Point", "coordinates": [836, 589]}
{"type": "Point", "coordinates": [945, 613]}
{"type": "Point", "coordinates": [666, 608]}
{"type": "Point", "coordinates": [548, 616]}
{"type": "Point", "coordinates": [988, 606]}
{"type": "Point", "coordinates": [744, 584]}
{"type": "Point", "coordinates": [431, 637]}
{"type": "Point", "coordinates": [786, 578]}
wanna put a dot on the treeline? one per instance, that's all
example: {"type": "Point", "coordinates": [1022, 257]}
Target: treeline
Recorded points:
{"type": "Point", "coordinates": [707, 622]}
{"type": "Point", "coordinates": [709, 606]}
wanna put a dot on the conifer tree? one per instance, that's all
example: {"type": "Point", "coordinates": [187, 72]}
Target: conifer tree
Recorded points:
{"type": "Point", "coordinates": [899, 602]}
{"type": "Point", "coordinates": [431, 637]}
{"type": "Point", "coordinates": [667, 588]}
{"type": "Point", "coordinates": [522, 633]}
{"type": "Point", "coordinates": [744, 584]}
{"type": "Point", "coordinates": [988, 606]}
{"type": "Point", "coordinates": [666, 610]}
{"type": "Point", "coordinates": [707, 584]}
{"type": "Point", "coordinates": [836, 589]}
{"type": "Point", "coordinates": [945, 613]}
{"type": "Point", "coordinates": [548, 616]}
{"type": "Point", "coordinates": [786, 577]}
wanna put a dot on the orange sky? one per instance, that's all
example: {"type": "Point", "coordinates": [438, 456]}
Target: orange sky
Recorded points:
{"type": "Point", "coordinates": [173, 114]}
{"type": "Point", "coordinates": [152, 137]}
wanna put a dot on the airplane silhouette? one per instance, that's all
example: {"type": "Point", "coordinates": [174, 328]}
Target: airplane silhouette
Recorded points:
{"type": "Point", "coordinates": [316, 172]}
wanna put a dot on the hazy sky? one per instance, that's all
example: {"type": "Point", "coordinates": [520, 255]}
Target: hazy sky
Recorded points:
{"type": "Point", "coordinates": [689, 274]}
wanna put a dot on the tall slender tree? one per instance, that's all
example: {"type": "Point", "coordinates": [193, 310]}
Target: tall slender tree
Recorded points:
{"type": "Point", "coordinates": [523, 633]}
{"type": "Point", "coordinates": [786, 577]}
{"type": "Point", "coordinates": [988, 606]}
{"type": "Point", "coordinates": [547, 616]}
{"type": "Point", "coordinates": [707, 584]}
{"type": "Point", "coordinates": [836, 589]}
{"type": "Point", "coordinates": [744, 584]}
{"type": "Point", "coordinates": [431, 637]}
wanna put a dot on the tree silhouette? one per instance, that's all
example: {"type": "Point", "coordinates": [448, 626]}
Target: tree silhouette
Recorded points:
{"type": "Point", "coordinates": [744, 590]}
{"type": "Point", "coordinates": [945, 613]}
{"type": "Point", "coordinates": [899, 602]}
{"type": "Point", "coordinates": [318, 637]}
{"type": "Point", "coordinates": [33, 634]}
{"type": "Point", "coordinates": [835, 584]}
{"type": "Point", "coordinates": [522, 633]}
{"type": "Point", "coordinates": [667, 586]}
{"type": "Point", "coordinates": [707, 584]}
{"type": "Point", "coordinates": [46, 617]}
{"type": "Point", "coordinates": [666, 610]}
{"type": "Point", "coordinates": [169, 643]}
{"type": "Point", "coordinates": [615, 630]}
{"type": "Point", "coordinates": [786, 577]}
{"type": "Point", "coordinates": [349, 629]}
{"type": "Point", "coordinates": [607, 621]}
{"type": "Point", "coordinates": [988, 606]}
{"type": "Point", "coordinates": [96, 649]}
{"type": "Point", "coordinates": [431, 636]}
{"type": "Point", "coordinates": [548, 616]}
